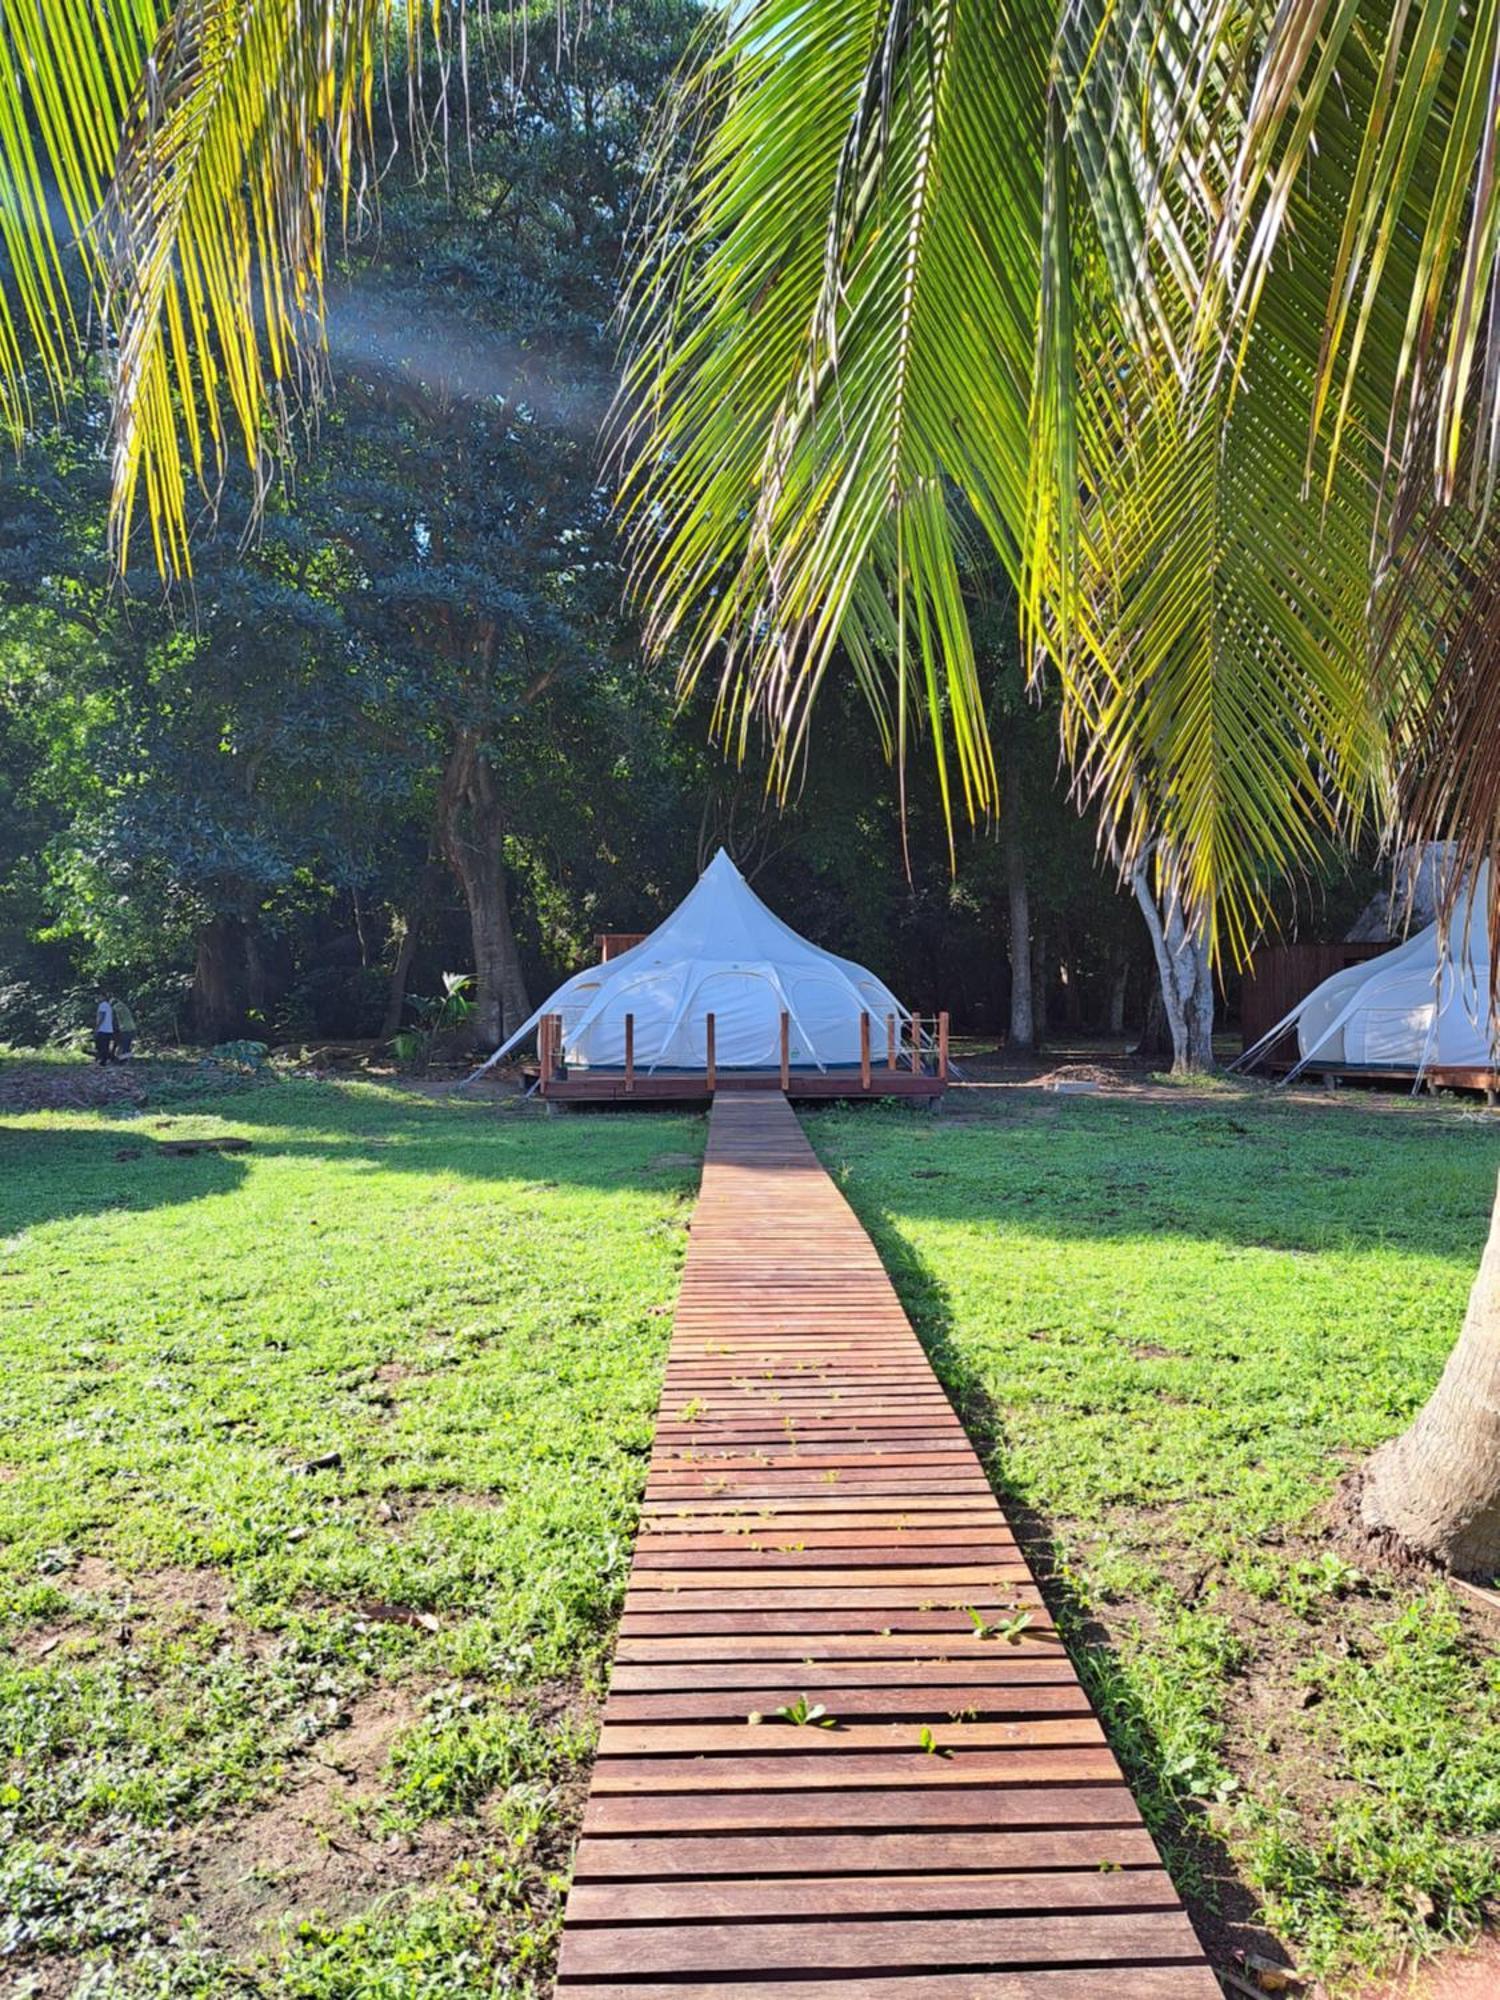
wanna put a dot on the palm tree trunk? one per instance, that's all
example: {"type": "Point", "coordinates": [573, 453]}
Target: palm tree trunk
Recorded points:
{"type": "Point", "coordinates": [1434, 1492]}
{"type": "Point", "coordinates": [1200, 1011]}
{"type": "Point", "coordinates": [472, 825]}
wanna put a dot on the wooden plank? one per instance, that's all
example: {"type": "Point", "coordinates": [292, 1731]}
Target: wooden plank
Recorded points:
{"type": "Point", "coordinates": [1176, 1982]}
{"type": "Point", "coordinates": [670, 1858]}
{"type": "Point", "coordinates": [855, 1944]}
{"type": "Point", "coordinates": [816, 1526]}
{"type": "Point", "coordinates": [892, 1809]}
{"type": "Point", "coordinates": [912, 1703]}
{"type": "Point", "coordinates": [1057, 1893]}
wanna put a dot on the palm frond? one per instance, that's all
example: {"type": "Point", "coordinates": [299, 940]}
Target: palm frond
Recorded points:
{"type": "Point", "coordinates": [1408, 98]}
{"type": "Point", "coordinates": [169, 168]}
{"type": "Point", "coordinates": [1440, 609]}
{"type": "Point", "coordinates": [215, 235]}
{"type": "Point", "coordinates": [831, 337]}
{"type": "Point", "coordinates": [69, 70]}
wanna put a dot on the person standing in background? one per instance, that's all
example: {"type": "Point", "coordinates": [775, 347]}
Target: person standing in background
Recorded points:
{"type": "Point", "coordinates": [104, 1029]}
{"type": "Point", "coordinates": [124, 1030]}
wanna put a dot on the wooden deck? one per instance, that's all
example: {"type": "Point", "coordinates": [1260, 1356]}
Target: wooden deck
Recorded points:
{"type": "Point", "coordinates": [609, 1086]}
{"type": "Point", "coordinates": [1382, 1076]}
{"type": "Point", "coordinates": [817, 1525]}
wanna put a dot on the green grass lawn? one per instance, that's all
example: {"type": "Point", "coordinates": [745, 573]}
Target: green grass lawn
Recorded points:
{"type": "Point", "coordinates": [1172, 1327]}
{"type": "Point", "coordinates": [319, 1462]}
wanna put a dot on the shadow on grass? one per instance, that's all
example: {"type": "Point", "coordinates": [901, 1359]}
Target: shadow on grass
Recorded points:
{"type": "Point", "coordinates": [55, 1176]}
{"type": "Point", "coordinates": [93, 1160]}
{"type": "Point", "coordinates": [1224, 1908]}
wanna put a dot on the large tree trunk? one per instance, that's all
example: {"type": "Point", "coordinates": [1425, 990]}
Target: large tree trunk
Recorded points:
{"type": "Point", "coordinates": [1434, 1492]}
{"type": "Point", "coordinates": [219, 981]}
{"type": "Point", "coordinates": [1180, 946]}
{"type": "Point", "coordinates": [257, 978]}
{"type": "Point", "coordinates": [1041, 984]}
{"type": "Point", "coordinates": [472, 824]}
{"type": "Point", "coordinates": [1022, 1017]}
{"type": "Point", "coordinates": [1119, 980]}
{"type": "Point", "coordinates": [408, 931]}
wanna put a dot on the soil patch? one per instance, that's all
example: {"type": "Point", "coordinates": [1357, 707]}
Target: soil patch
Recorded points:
{"type": "Point", "coordinates": [175, 1596]}
{"type": "Point", "coordinates": [312, 1848]}
{"type": "Point", "coordinates": [1457, 1975]}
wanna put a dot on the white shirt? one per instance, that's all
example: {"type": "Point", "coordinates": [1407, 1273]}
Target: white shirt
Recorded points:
{"type": "Point", "coordinates": [104, 1019]}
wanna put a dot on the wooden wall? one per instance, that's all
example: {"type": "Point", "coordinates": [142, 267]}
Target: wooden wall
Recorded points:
{"type": "Point", "coordinates": [610, 944]}
{"type": "Point", "coordinates": [1280, 975]}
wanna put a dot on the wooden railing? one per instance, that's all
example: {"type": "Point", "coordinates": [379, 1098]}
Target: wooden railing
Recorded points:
{"type": "Point", "coordinates": [918, 1043]}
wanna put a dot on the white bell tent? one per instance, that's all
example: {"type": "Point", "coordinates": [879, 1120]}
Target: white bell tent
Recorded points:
{"type": "Point", "coordinates": [721, 952]}
{"type": "Point", "coordinates": [1423, 1005]}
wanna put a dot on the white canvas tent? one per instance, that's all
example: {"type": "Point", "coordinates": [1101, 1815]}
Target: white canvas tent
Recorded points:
{"type": "Point", "coordinates": [721, 952]}
{"type": "Point", "coordinates": [1422, 1005]}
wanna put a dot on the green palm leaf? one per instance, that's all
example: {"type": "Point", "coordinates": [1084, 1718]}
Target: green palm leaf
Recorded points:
{"type": "Point", "coordinates": [1404, 100]}
{"type": "Point", "coordinates": [832, 333]}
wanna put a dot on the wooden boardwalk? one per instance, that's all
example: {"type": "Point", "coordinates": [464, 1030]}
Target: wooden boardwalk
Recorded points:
{"type": "Point", "coordinates": [817, 1525]}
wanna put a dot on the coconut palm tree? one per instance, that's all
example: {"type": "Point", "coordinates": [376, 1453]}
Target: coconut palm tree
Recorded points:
{"type": "Point", "coordinates": [1181, 308]}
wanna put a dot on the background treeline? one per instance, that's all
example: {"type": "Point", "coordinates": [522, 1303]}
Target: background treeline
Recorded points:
{"type": "Point", "coordinates": [401, 723]}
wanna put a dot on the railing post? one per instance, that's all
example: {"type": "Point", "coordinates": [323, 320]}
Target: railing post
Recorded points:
{"type": "Point", "coordinates": [890, 1041]}
{"type": "Point", "coordinates": [943, 1046]}
{"type": "Point", "coordinates": [864, 1050]}
{"type": "Point", "coordinates": [786, 1052]}
{"type": "Point", "coordinates": [916, 1044]}
{"type": "Point", "coordinates": [557, 1045]}
{"type": "Point", "coordinates": [712, 1066]}
{"type": "Point", "coordinates": [629, 1053]}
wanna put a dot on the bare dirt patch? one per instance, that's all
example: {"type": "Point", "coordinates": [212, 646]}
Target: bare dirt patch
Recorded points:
{"type": "Point", "coordinates": [55, 1086]}
{"type": "Point", "coordinates": [1458, 1975]}
{"type": "Point", "coordinates": [172, 1598]}
{"type": "Point", "coordinates": [313, 1848]}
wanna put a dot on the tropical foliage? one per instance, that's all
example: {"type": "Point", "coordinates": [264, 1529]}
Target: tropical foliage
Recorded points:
{"type": "Point", "coordinates": [1180, 310]}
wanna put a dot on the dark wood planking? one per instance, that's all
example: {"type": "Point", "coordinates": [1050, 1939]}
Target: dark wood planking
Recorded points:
{"type": "Point", "coordinates": [890, 1944]}
{"type": "Point", "coordinates": [918, 1701]}
{"type": "Point", "coordinates": [764, 1857]}
{"type": "Point", "coordinates": [816, 1523]}
{"type": "Point", "coordinates": [891, 1809]}
{"type": "Point", "coordinates": [1166, 1982]}
{"type": "Point", "coordinates": [1057, 1892]}
{"type": "Point", "coordinates": [847, 1675]}
{"type": "Point", "coordinates": [608, 1086]}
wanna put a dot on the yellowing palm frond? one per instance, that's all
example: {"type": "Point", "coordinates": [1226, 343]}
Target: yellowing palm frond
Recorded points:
{"type": "Point", "coordinates": [169, 168]}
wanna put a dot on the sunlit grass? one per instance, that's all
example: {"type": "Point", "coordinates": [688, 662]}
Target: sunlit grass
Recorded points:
{"type": "Point", "coordinates": [329, 1447]}
{"type": "Point", "coordinates": [1175, 1326]}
